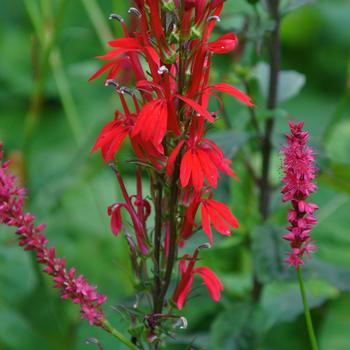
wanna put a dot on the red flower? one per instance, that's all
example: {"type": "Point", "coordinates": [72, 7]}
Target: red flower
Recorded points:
{"type": "Point", "coordinates": [212, 212]}
{"type": "Point", "coordinates": [201, 161]}
{"type": "Point", "coordinates": [112, 136]}
{"type": "Point", "coordinates": [218, 214]}
{"type": "Point", "coordinates": [151, 123]}
{"type": "Point", "coordinates": [187, 271]}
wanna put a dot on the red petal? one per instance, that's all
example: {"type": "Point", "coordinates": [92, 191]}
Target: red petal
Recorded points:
{"type": "Point", "coordinates": [206, 224]}
{"type": "Point", "coordinates": [151, 123]}
{"type": "Point", "coordinates": [185, 168]}
{"type": "Point", "coordinates": [172, 158]}
{"type": "Point", "coordinates": [125, 43]}
{"type": "Point", "coordinates": [210, 170]}
{"type": "Point", "coordinates": [211, 281]}
{"type": "Point", "coordinates": [102, 70]}
{"type": "Point", "coordinates": [224, 44]}
{"type": "Point", "coordinates": [225, 212]}
{"type": "Point", "coordinates": [197, 172]}
{"type": "Point", "coordinates": [197, 107]}
{"type": "Point", "coordinates": [182, 293]}
{"type": "Point", "coordinates": [238, 94]}
{"type": "Point", "coordinates": [217, 220]}
{"type": "Point", "coordinates": [116, 221]}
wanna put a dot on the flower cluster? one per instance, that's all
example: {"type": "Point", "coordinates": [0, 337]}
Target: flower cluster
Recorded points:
{"type": "Point", "coordinates": [30, 235]}
{"type": "Point", "coordinates": [299, 175]}
{"type": "Point", "coordinates": [168, 54]}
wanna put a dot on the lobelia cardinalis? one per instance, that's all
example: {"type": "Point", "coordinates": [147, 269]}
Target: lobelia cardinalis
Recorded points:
{"type": "Point", "coordinates": [160, 72]}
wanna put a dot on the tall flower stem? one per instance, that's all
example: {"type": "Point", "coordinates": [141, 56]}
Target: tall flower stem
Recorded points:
{"type": "Point", "coordinates": [309, 325]}
{"type": "Point", "coordinates": [111, 330]}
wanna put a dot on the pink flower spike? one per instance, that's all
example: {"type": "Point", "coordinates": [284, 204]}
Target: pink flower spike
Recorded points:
{"type": "Point", "coordinates": [299, 174]}
{"type": "Point", "coordinates": [30, 238]}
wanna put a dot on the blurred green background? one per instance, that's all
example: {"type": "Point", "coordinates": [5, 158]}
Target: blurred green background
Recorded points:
{"type": "Point", "coordinates": [49, 118]}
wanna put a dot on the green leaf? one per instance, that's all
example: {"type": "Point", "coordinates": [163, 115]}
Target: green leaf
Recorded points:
{"type": "Point", "coordinates": [269, 250]}
{"type": "Point", "coordinates": [336, 175]}
{"type": "Point", "coordinates": [17, 278]}
{"type": "Point", "coordinates": [334, 332]}
{"type": "Point", "coordinates": [337, 275]}
{"type": "Point", "coordinates": [292, 5]}
{"type": "Point", "coordinates": [230, 141]}
{"type": "Point", "coordinates": [289, 84]}
{"type": "Point", "coordinates": [238, 328]}
{"type": "Point", "coordinates": [16, 333]}
{"type": "Point", "coordinates": [281, 301]}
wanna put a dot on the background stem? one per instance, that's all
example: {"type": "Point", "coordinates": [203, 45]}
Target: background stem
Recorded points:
{"type": "Point", "coordinates": [267, 144]}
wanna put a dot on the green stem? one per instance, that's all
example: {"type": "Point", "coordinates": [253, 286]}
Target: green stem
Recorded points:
{"type": "Point", "coordinates": [111, 330]}
{"type": "Point", "coordinates": [309, 325]}
{"type": "Point", "coordinates": [98, 20]}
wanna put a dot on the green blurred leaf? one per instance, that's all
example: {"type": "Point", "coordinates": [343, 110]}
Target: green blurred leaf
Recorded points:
{"type": "Point", "coordinates": [337, 176]}
{"type": "Point", "coordinates": [289, 85]}
{"type": "Point", "coordinates": [17, 278]}
{"type": "Point", "coordinates": [16, 333]}
{"type": "Point", "coordinates": [230, 141]}
{"type": "Point", "coordinates": [334, 332]}
{"type": "Point", "coordinates": [337, 275]}
{"type": "Point", "coordinates": [292, 5]}
{"type": "Point", "coordinates": [269, 250]}
{"type": "Point", "coordinates": [281, 301]}
{"type": "Point", "coordinates": [238, 328]}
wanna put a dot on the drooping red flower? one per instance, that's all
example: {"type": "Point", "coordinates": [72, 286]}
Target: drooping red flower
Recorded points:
{"type": "Point", "coordinates": [299, 174]}
{"type": "Point", "coordinates": [202, 160]}
{"type": "Point", "coordinates": [112, 135]}
{"type": "Point", "coordinates": [219, 215]}
{"type": "Point", "coordinates": [213, 213]}
{"type": "Point", "coordinates": [187, 271]}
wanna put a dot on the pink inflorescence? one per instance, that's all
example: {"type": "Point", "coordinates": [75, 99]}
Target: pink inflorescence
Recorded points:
{"type": "Point", "coordinates": [31, 238]}
{"type": "Point", "coordinates": [299, 174]}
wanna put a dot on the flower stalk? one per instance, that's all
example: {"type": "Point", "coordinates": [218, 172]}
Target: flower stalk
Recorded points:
{"type": "Point", "coordinates": [309, 325]}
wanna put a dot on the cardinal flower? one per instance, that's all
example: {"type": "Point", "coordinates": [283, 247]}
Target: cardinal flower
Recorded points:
{"type": "Point", "coordinates": [112, 135]}
{"type": "Point", "coordinates": [213, 213]}
{"type": "Point", "coordinates": [202, 160]}
{"type": "Point", "coordinates": [187, 271]}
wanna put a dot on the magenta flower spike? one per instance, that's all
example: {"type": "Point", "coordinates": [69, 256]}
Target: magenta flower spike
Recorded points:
{"type": "Point", "coordinates": [299, 175]}
{"type": "Point", "coordinates": [73, 287]}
